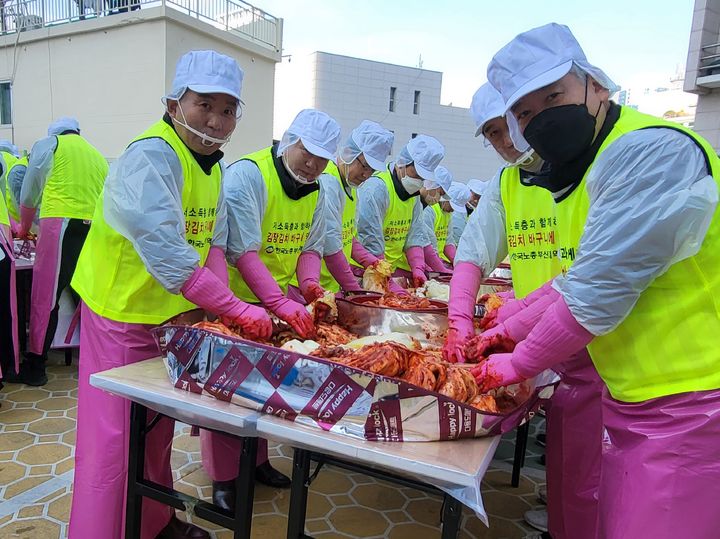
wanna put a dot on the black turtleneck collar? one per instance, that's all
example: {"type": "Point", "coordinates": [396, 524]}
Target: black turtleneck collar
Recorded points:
{"type": "Point", "coordinates": [561, 180]}
{"type": "Point", "coordinates": [206, 162]}
{"type": "Point", "coordinates": [399, 189]}
{"type": "Point", "coordinates": [293, 189]}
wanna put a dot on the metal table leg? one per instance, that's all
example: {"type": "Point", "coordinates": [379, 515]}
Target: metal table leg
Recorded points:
{"type": "Point", "coordinates": [245, 489]}
{"type": "Point", "coordinates": [298, 494]}
{"type": "Point", "coordinates": [136, 470]}
{"type": "Point", "coordinates": [451, 515]}
{"type": "Point", "coordinates": [521, 440]}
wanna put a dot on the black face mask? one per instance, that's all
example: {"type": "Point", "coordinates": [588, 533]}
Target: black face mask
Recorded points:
{"type": "Point", "coordinates": [561, 134]}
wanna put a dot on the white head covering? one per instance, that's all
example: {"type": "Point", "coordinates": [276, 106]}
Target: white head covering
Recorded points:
{"type": "Point", "coordinates": [206, 72]}
{"type": "Point", "coordinates": [487, 103]}
{"type": "Point", "coordinates": [459, 196]}
{"type": "Point", "coordinates": [66, 123]}
{"type": "Point", "coordinates": [7, 146]}
{"type": "Point", "coordinates": [443, 177]}
{"type": "Point", "coordinates": [318, 132]}
{"type": "Point", "coordinates": [425, 153]}
{"type": "Point", "coordinates": [370, 139]}
{"type": "Point", "coordinates": [477, 186]}
{"type": "Point", "coordinates": [536, 58]}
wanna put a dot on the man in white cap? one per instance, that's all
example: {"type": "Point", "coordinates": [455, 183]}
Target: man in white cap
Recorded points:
{"type": "Point", "coordinates": [365, 151]}
{"type": "Point", "coordinates": [156, 249]}
{"type": "Point", "coordinates": [8, 155]}
{"type": "Point", "coordinates": [477, 188]}
{"type": "Point", "coordinates": [640, 242]}
{"type": "Point", "coordinates": [436, 219]}
{"type": "Point", "coordinates": [389, 213]}
{"type": "Point", "coordinates": [65, 175]}
{"type": "Point", "coordinates": [275, 244]}
{"type": "Point", "coordinates": [515, 218]}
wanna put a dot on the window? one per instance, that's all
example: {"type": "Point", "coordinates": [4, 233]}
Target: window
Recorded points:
{"type": "Point", "coordinates": [5, 103]}
{"type": "Point", "coordinates": [413, 135]}
{"type": "Point", "coordinates": [416, 102]}
{"type": "Point", "coordinates": [393, 91]}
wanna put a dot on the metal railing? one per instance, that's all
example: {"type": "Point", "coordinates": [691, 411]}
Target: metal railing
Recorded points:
{"type": "Point", "coordinates": [710, 63]}
{"type": "Point", "coordinates": [233, 16]}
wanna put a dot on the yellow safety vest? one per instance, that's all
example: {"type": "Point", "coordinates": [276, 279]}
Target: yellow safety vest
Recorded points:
{"type": "Point", "coordinates": [75, 181]}
{"type": "Point", "coordinates": [4, 215]}
{"type": "Point", "coordinates": [9, 160]}
{"type": "Point", "coordinates": [442, 226]}
{"type": "Point", "coordinates": [349, 230]}
{"type": "Point", "coordinates": [530, 227]}
{"type": "Point", "coordinates": [285, 228]}
{"type": "Point", "coordinates": [666, 345]}
{"type": "Point", "coordinates": [13, 205]}
{"type": "Point", "coordinates": [110, 276]}
{"type": "Point", "coordinates": [396, 225]}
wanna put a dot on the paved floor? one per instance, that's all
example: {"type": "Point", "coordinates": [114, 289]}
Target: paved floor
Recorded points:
{"type": "Point", "coordinates": [37, 439]}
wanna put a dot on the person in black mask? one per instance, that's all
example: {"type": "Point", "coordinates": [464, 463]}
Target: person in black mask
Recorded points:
{"type": "Point", "coordinates": [640, 245]}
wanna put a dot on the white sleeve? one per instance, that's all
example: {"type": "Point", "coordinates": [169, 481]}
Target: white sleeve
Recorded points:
{"type": "Point", "coordinates": [428, 219]}
{"type": "Point", "coordinates": [15, 182]}
{"type": "Point", "coordinates": [417, 235]}
{"type": "Point", "coordinates": [457, 225]}
{"type": "Point", "coordinates": [373, 203]}
{"type": "Point", "coordinates": [246, 199]}
{"type": "Point", "coordinates": [316, 237]}
{"type": "Point", "coordinates": [334, 205]}
{"type": "Point", "coordinates": [484, 240]}
{"type": "Point", "coordinates": [142, 201]}
{"type": "Point", "coordinates": [39, 167]}
{"type": "Point", "coordinates": [651, 203]}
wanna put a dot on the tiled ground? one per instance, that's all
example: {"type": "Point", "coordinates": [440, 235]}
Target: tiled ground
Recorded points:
{"type": "Point", "coordinates": [37, 437]}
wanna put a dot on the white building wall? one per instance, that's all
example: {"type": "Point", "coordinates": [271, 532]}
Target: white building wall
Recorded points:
{"type": "Point", "coordinates": [111, 72]}
{"type": "Point", "coordinates": [353, 89]}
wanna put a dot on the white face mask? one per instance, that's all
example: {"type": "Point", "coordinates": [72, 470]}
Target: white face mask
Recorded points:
{"type": "Point", "coordinates": [411, 185]}
{"type": "Point", "coordinates": [300, 179]}
{"type": "Point", "coordinates": [524, 159]}
{"type": "Point", "coordinates": [207, 140]}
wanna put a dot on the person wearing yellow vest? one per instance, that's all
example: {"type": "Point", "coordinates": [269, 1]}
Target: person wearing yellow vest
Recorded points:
{"type": "Point", "coordinates": [64, 177]}
{"type": "Point", "coordinates": [459, 197]}
{"type": "Point", "coordinates": [15, 178]}
{"type": "Point", "coordinates": [156, 249]}
{"type": "Point", "coordinates": [9, 155]}
{"type": "Point", "coordinates": [275, 243]}
{"type": "Point", "coordinates": [436, 219]}
{"type": "Point", "coordinates": [520, 213]}
{"type": "Point", "coordinates": [365, 151]}
{"type": "Point", "coordinates": [389, 210]}
{"type": "Point", "coordinates": [636, 202]}
{"type": "Point", "coordinates": [9, 351]}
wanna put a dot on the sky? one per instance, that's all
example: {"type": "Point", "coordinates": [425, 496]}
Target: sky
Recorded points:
{"type": "Point", "coordinates": [638, 43]}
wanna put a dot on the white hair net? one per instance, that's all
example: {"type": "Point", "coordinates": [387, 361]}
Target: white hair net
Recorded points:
{"type": "Point", "coordinates": [459, 196]}
{"type": "Point", "coordinates": [477, 186]}
{"type": "Point", "coordinates": [66, 123]}
{"type": "Point", "coordinates": [206, 72]}
{"type": "Point", "coordinates": [370, 139]}
{"type": "Point", "coordinates": [7, 146]}
{"type": "Point", "coordinates": [443, 177]}
{"type": "Point", "coordinates": [424, 153]}
{"type": "Point", "coordinates": [319, 133]}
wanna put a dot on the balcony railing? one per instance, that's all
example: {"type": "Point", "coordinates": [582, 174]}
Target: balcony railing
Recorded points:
{"type": "Point", "coordinates": [233, 16]}
{"type": "Point", "coordinates": [710, 61]}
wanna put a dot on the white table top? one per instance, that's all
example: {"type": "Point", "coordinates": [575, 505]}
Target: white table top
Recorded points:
{"type": "Point", "coordinates": [23, 263]}
{"type": "Point", "coordinates": [147, 383]}
{"type": "Point", "coordinates": [456, 463]}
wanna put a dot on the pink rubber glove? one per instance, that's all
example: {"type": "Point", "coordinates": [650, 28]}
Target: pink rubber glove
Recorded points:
{"type": "Point", "coordinates": [497, 371]}
{"type": "Point", "coordinates": [507, 295]}
{"type": "Point", "coordinates": [416, 260]}
{"type": "Point", "coordinates": [396, 288]}
{"type": "Point", "coordinates": [554, 339]}
{"type": "Point", "coordinates": [339, 268]}
{"type": "Point", "coordinates": [14, 227]}
{"type": "Point", "coordinates": [216, 263]}
{"type": "Point", "coordinates": [261, 282]}
{"type": "Point", "coordinates": [450, 251]}
{"type": "Point", "coordinates": [514, 306]}
{"type": "Point", "coordinates": [519, 326]}
{"type": "Point", "coordinates": [26, 220]}
{"type": "Point", "coordinates": [433, 260]}
{"type": "Point", "coordinates": [464, 287]}
{"type": "Point", "coordinates": [308, 275]}
{"type": "Point", "coordinates": [205, 290]}
{"type": "Point", "coordinates": [361, 255]}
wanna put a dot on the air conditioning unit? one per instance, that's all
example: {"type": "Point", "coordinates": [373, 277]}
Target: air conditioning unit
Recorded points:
{"type": "Point", "coordinates": [29, 22]}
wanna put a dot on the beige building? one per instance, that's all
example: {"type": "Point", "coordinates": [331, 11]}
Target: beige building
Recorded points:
{"type": "Point", "coordinates": [111, 68]}
{"type": "Point", "coordinates": [702, 75]}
